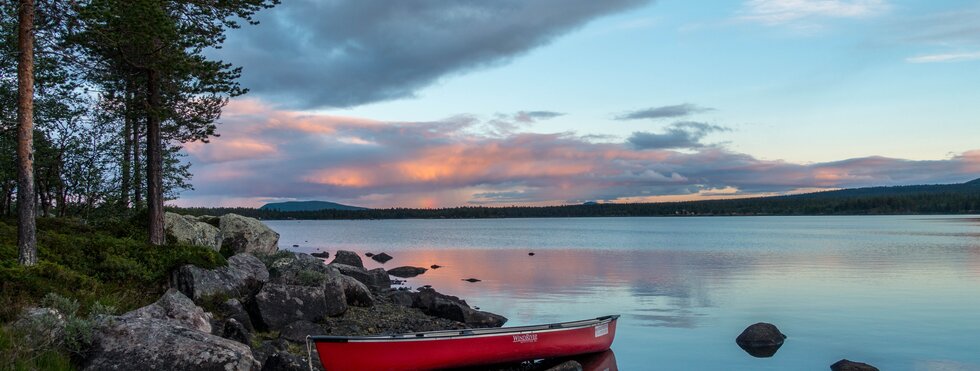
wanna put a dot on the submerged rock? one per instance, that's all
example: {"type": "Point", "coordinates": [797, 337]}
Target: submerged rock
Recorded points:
{"type": "Point", "coordinates": [406, 272]}
{"type": "Point", "coordinates": [241, 234]}
{"type": "Point", "coordinates": [760, 340]}
{"type": "Point", "coordinates": [382, 258]}
{"type": "Point", "coordinates": [347, 258]}
{"type": "Point", "coordinates": [188, 230]}
{"type": "Point", "coordinates": [845, 365]}
{"type": "Point", "coordinates": [242, 277]}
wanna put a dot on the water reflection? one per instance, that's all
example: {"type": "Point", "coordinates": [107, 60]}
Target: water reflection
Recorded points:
{"type": "Point", "coordinates": [894, 291]}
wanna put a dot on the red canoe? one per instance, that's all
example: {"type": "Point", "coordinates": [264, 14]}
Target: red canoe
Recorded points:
{"type": "Point", "coordinates": [460, 348]}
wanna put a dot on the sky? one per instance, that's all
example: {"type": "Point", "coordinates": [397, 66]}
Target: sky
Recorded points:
{"type": "Point", "coordinates": [447, 103]}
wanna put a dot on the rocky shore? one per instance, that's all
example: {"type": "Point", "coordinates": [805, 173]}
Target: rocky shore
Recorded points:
{"type": "Point", "coordinates": [255, 313]}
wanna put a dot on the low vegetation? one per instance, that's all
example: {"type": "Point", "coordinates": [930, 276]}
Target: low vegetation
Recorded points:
{"type": "Point", "coordinates": [84, 269]}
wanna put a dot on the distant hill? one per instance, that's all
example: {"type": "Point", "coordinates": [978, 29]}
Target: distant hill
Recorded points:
{"type": "Point", "coordinates": [308, 206]}
{"type": "Point", "coordinates": [962, 198]}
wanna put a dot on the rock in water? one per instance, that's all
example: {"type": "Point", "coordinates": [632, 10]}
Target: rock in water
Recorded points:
{"type": "Point", "coordinates": [406, 272]}
{"type": "Point", "coordinates": [156, 344]}
{"type": "Point", "coordinates": [471, 280]}
{"type": "Point", "coordinates": [321, 255]}
{"type": "Point", "coordinates": [279, 305]}
{"type": "Point", "coordinates": [845, 365]}
{"type": "Point", "coordinates": [188, 230]}
{"type": "Point", "coordinates": [241, 278]}
{"type": "Point", "coordinates": [435, 266]}
{"type": "Point", "coordinates": [760, 340]}
{"type": "Point", "coordinates": [347, 258]}
{"type": "Point", "coordinates": [382, 258]}
{"type": "Point", "coordinates": [241, 234]}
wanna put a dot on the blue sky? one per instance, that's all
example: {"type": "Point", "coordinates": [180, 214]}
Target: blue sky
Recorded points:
{"type": "Point", "coordinates": [802, 84]}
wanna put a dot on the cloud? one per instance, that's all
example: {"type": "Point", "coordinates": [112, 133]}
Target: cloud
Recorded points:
{"type": "Point", "coordinates": [342, 53]}
{"type": "Point", "coordinates": [674, 111]}
{"type": "Point", "coordinates": [945, 57]}
{"type": "Point", "coordinates": [448, 163]}
{"type": "Point", "coordinates": [684, 134]}
{"type": "Point", "coordinates": [533, 116]}
{"type": "Point", "coordinates": [778, 12]}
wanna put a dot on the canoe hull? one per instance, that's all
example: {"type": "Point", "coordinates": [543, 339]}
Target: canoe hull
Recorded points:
{"type": "Point", "coordinates": [465, 350]}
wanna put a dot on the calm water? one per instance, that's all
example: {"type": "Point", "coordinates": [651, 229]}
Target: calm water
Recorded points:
{"type": "Point", "coordinates": [899, 292]}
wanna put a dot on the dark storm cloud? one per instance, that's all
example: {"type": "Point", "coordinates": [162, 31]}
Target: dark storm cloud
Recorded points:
{"type": "Point", "coordinates": [685, 134]}
{"type": "Point", "coordinates": [341, 53]}
{"type": "Point", "coordinates": [679, 110]}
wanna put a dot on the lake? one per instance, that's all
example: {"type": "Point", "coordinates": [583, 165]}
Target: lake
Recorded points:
{"type": "Point", "coordinates": [898, 292]}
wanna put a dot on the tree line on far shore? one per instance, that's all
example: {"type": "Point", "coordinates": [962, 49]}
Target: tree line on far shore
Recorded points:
{"type": "Point", "coordinates": [921, 199]}
{"type": "Point", "coordinates": [98, 96]}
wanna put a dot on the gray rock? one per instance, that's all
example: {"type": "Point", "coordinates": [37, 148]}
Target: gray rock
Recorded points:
{"type": "Point", "coordinates": [453, 308]}
{"type": "Point", "coordinates": [403, 298]}
{"type": "Point", "coordinates": [382, 258]}
{"type": "Point", "coordinates": [301, 269]}
{"type": "Point", "coordinates": [760, 340]}
{"type": "Point", "coordinates": [357, 293]}
{"type": "Point", "coordinates": [233, 309]}
{"type": "Point", "coordinates": [406, 272]}
{"type": "Point", "coordinates": [297, 331]}
{"type": "Point", "coordinates": [321, 255]}
{"type": "Point", "coordinates": [375, 279]}
{"type": "Point", "coordinates": [284, 361]}
{"type": "Point", "coordinates": [188, 230]}
{"type": "Point", "coordinates": [241, 278]}
{"type": "Point", "coordinates": [242, 234]}
{"type": "Point", "coordinates": [234, 330]}
{"type": "Point", "coordinates": [845, 365]}
{"type": "Point", "coordinates": [174, 307]}
{"type": "Point", "coordinates": [278, 305]}
{"type": "Point", "coordinates": [267, 348]}
{"type": "Point", "coordinates": [347, 258]}
{"type": "Point", "coordinates": [138, 343]}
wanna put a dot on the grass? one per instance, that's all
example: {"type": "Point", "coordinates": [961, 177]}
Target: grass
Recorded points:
{"type": "Point", "coordinates": [90, 266]}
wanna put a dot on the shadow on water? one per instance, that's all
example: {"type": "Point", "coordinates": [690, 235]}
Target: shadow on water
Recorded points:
{"type": "Point", "coordinates": [602, 361]}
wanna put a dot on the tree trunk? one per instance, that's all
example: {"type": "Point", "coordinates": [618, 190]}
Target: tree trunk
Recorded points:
{"type": "Point", "coordinates": [137, 171]}
{"type": "Point", "coordinates": [154, 154]}
{"type": "Point", "coordinates": [127, 144]}
{"type": "Point", "coordinates": [26, 232]}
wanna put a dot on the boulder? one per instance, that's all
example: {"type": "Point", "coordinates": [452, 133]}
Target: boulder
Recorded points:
{"type": "Point", "coordinates": [296, 332]}
{"type": "Point", "coordinates": [403, 298]}
{"type": "Point", "coordinates": [241, 234]}
{"type": "Point", "coordinates": [241, 278]}
{"type": "Point", "coordinates": [284, 361]}
{"type": "Point", "coordinates": [760, 340]}
{"type": "Point", "coordinates": [268, 348]}
{"type": "Point", "coordinates": [347, 258]}
{"type": "Point", "coordinates": [376, 279]}
{"type": "Point", "coordinates": [357, 293]}
{"type": "Point", "coordinates": [214, 221]}
{"type": "Point", "coordinates": [140, 343]}
{"type": "Point", "coordinates": [300, 269]}
{"type": "Point", "coordinates": [382, 258]}
{"type": "Point", "coordinates": [174, 307]}
{"type": "Point", "coordinates": [188, 230]}
{"type": "Point", "coordinates": [453, 308]}
{"type": "Point", "coordinates": [231, 329]}
{"type": "Point", "coordinates": [845, 365]}
{"type": "Point", "coordinates": [233, 309]}
{"type": "Point", "coordinates": [278, 305]}
{"type": "Point", "coordinates": [406, 272]}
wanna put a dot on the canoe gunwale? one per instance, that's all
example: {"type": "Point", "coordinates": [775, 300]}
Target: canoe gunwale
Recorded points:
{"type": "Point", "coordinates": [466, 333]}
